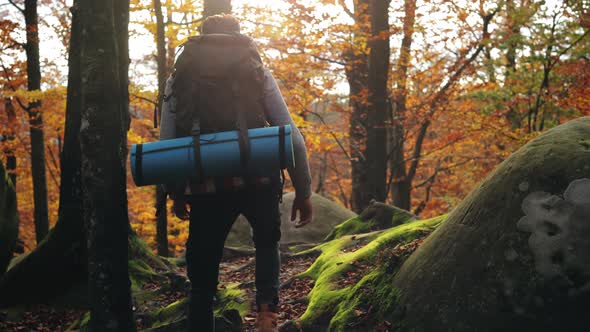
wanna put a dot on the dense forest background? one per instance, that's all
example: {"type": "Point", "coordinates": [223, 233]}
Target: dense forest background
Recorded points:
{"type": "Point", "coordinates": [411, 103]}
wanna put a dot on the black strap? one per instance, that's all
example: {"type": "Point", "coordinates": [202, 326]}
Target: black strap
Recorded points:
{"type": "Point", "coordinates": [281, 186]}
{"type": "Point", "coordinates": [242, 124]}
{"type": "Point", "coordinates": [138, 164]}
{"type": "Point", "coordinates": [282, 157]}
{"type": "Point", "coordinates": [244, 142]}
{"type": "Point", "coordinates": [197, 155]}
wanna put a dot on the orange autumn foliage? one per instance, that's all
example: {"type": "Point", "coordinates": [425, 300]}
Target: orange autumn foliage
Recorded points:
{"type": "Point", "coordinates": [303, 43]}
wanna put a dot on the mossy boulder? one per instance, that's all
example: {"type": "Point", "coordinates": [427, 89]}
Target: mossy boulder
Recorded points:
{"type": "Point", "coordinates": [8, 220]}
{"type": "Point", "coordinates": [377, 216]}
{"type": "Point", "coordinates": [327, 214]}
{"type": "Point", "coordinates": [353, 289]}
{"type": "Point", "coordinates": [515, 254]}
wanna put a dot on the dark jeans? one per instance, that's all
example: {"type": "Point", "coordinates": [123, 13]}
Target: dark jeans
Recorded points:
{"type": "Point", "coordinates": [211, 218]}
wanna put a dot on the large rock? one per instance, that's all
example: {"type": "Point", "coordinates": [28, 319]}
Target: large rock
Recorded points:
{"type": "Point", "coordinates": [8, 220]}
{"type": "Point", "coordinates": [515, 254]}
{"type": "Point", "coordinates": [376, 216]}
{"type": "Point", "coordinates": [327, 214]}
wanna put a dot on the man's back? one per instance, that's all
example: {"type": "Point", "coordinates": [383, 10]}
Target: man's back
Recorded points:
{"type": "Point", "coordinates": [212, 213]}
{"type": "Point", "coordinates": [218, 82]}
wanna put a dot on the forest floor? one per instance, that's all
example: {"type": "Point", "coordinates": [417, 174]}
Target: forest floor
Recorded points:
{"type": "Point", "coordinates": [42, 318]}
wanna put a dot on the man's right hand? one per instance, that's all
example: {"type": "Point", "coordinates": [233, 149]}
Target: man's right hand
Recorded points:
{"type": "Point", "coordinates": [305, 211]}
{"type": "Point", "coordinates": [180, 208]}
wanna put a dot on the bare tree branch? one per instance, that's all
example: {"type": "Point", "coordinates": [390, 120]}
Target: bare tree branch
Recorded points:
{"type": "Point", "coordinates": [345, 198]}
{"type": "Point", "coordinates": [185, 22]}
{"type": "Point", "coordinates": [321, 118]}
{"type": "Point", "coordinates": [441, 94]}
{"type": "Point", "coordinates": [7, 76]}
{"type": "Point", "coordinates": [22, 10]}
{"type": "Point", "coordinates": [347, 10]}
{"type": "Point", "coordinates": [153, 102]}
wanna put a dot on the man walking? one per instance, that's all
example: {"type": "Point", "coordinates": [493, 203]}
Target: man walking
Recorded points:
{"type": "Point", "coordinates": [203, 98]}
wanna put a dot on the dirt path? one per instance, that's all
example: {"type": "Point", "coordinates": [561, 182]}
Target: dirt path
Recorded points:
{"type": "Point", "coordinates": [293, 292]}
{"type": "Point", "coordinates": [236, 270]}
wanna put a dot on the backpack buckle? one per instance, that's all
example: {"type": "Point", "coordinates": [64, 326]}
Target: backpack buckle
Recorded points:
{"type": "Point", "coordinates": [196, 129]}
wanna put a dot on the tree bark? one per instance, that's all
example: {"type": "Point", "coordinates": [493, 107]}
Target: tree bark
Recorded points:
{"type": "Point", "coordinates": [105, 122]}
{"type": "Point", "coordinates": [8, 220]}
{"type": "Point", "coordinates": [59, 263]}
{"type": "Point", "coordinates": [10, 136]}
{"type": "Point", "coordinates": [64, 248]}
{"type": "Point", "coordinates": [401, 185]}
{"type": "Point", "coordinates": [378, 102]}
{"type": "Point", "coordinates": [216, 7]}
{"type": "Point", "coordinates": [356, 74]}
{"type": "Point", "coordinates": [160, 52]}
{"type": "Point", "coordinates": [162, 216]}
{"type": "Point", "coordinates": [162, 223]}
{"type": "Point", "coordinates": [513, 34]}
{"type": "Point", "coordinates": [36, 122]}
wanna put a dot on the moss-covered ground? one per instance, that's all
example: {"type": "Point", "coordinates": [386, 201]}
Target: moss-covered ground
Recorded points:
{"type": "Point", "coordinates": [357, 225]}
{"type": "Point", "coordinates": [370, 259]}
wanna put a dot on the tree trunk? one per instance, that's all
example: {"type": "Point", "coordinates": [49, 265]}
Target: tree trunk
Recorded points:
{"type": "Point", "coordinates": [105, 122]}
{"type": "Point", "coordinates": [162, 216]}
{"type": "Point", "coordinates": [10, 136]}
{"type": "Point", "coordinates": [170, 45]}
{"type": "Point", "coordinates": [401, 185]}
{"type": "Point", "coordinates": [160, 52]}
{"type": "Point", "coordinates": [64, 248]}
{"type": "Point", "coordinates": [513, 32]}
{"type": "Point", "coordinates": [36, 122]}
{"type": "Point", "coordinates": [377, 109]}
{"type": "Point", "coordinates": [215, 7]}
{"type": "Point", "coordinates": [8, 220]}
{"type": "Point", "coordinates": [356, 74]}
{"type": "Point", "coordinates": [59, 263]}
{"type": "Point", "coordinates": [162, 223]}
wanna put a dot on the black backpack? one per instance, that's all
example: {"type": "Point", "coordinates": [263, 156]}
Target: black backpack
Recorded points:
{"type": "Point", "coordinates": [218, 85]}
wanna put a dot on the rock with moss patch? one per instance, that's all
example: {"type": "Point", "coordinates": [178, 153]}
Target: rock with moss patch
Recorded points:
{"type": "Point", "coordinates": [353, 289]}
{"type": "Point", "coordinates": [377, 216]}
{"type": "Point", "coordinates": [327, 214]}
{"type": "Point", "coordinates": [514, 255]}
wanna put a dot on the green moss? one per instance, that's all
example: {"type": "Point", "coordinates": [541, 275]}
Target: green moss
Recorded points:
{"type": "Point", "coordinates": [229, 298]}
{"type": "Point", "coordinates": [367, 304]}
{"type": "Point", "coordinates": [467, 260]}
{"type": "Point", "coordinates": [358, 226]}
{"type": "Point", "coordinates": [332, 307]}
{"type": "Point", "coordinates": [232, 298]}
{"type": "Point", "coordinates": [169, 314]}
{"type": "Point", "coordinates": [138, 250]}
{"type": "Point", "coordinates": [351, 226]}
{"type": "Point", "coordinates": [80, 325]}
{"type": "Point", "coordinates": [144, 265]}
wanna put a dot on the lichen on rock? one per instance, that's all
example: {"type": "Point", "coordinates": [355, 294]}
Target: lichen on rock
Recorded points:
{"type": "Point", "coordinates": [483, 270]}
{"type": "Point", "coordinates": [559, 230]}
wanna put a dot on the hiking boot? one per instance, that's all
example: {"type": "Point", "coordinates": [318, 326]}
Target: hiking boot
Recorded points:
{"type": "Point", "coordinates": [267, 320]}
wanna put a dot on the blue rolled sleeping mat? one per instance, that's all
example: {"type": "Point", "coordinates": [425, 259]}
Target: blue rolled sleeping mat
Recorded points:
{"type": "Point", "coordinates": [173, 160]}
